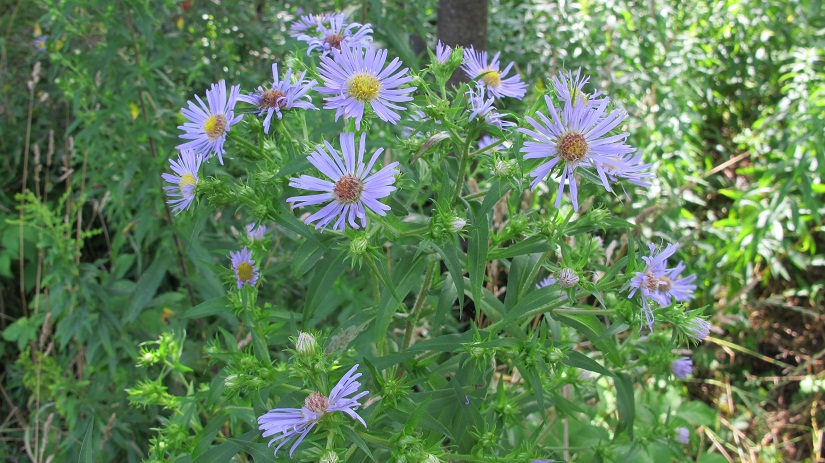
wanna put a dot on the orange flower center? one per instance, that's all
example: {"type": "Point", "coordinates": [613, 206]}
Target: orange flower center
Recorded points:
{"type": "Point", "coordinates": [317, 403]}
{"type": "Point", "coordinates": [334, 40]}
{"type": "Point", "coordinates": [348, 189]}
{"type": "Point", "coordinates": [572, 146]}
{"type": "Point", "coordinates": [270, 99]}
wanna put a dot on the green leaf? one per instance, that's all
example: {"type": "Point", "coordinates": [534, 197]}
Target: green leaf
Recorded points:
{"type": "Point", "coordinates": [579, 360]}
{"type": "Point", "coordinates": [147, 286]}
{"type": "Point", "coordinates": [87, 451]}
{"type": "Point", "coordinates": [326, 272]}
{"type": "Point", "coordinates": [625, 403]}
{"type": "Point", "coordinates": [477, 255]}
{"type": "Point", "coordinates": [532, 245]}
{"type": "Point", "coordinates": [456, 270]}
{"type": "Point", "coordinates": [593, 329]}
{"type": "Point", "coordinates": [208, 308]}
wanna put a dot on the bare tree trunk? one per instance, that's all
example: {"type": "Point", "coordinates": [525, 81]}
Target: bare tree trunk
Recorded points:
{"type": "Point", "coordinates": [463, 22]}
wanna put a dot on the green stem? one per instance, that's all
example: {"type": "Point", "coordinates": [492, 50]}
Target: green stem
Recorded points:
{"type": "Point", "coordinates": [585, 311]}
{"type": "Point", "coordinates": [412, 319]}
{"type": "Point", "coordinates": [462, 166]}
{"type": "Point", "coordinates": [476, 195]}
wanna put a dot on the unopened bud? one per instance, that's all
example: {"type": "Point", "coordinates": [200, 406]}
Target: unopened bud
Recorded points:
{"type": "Point", "coordinates": [329, 457]}
{"type": "Point", "coordinates": [305, 346]}
{"type": "Point", "coordinates": [567, 278]}
{"type": "Point", "coordinates": [457, 224]}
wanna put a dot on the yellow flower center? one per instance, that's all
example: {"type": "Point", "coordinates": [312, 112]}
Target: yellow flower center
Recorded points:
{"type": "Point", "coordinates": [215, 126]}
{"type": "Point", "coordinates": [244, 271]}
{"type": "Point", "coordinates": [363, 87]}
{"type": "Point", "coordinates": [492, 78]}
{"type": "Point", "coordinates": [348, 189]}
{"type": "Point", "coordinates": [270, 99]}
{"type": "Point", "coordinates": [317, 403]}
{"type": "Point", "coordinates": [334, 40]}
{"type": "Point", "coordinates": [186, 180]}
{"type": "Point", "coordinates": [577, 96]}
{"type": "Point", "coordinates": [572, 146]}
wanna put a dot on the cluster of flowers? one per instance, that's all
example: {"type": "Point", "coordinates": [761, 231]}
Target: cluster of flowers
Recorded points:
{"type": "Point", "coordinates": [578, 133]}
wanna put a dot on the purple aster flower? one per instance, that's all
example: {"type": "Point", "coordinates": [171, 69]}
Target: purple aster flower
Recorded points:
{"type": "Point", "coordinates": [208, 125]}
{"type": "Point", "coordinates": [481, 107]}
{"type": "Point", "coordinates": [476, 63]}
{"type": "Point", "coordinates": [698, 328]}
{"type": "Point", "coordinates": [671, 286]}
{"type": "Point", "coordinates": [244, 266]}
{"type": "Point", "coordinates": [182, 193]}
{"type": "Point", "coordinates": [352, 187]}
{"type": "Point", "coordinates": [311, 22]}
{"type": "Point", "coordinates": [442, 53]}
{"type": "Point", "coordinates": [40, 42]}
{"type": "Point", "coordinates": [356, 77]}
{"type": "Point", "coordinates": [682, 367]}
{"type": "Point", "coordinates": [578, 136]}
{"type": "Point", "coordinates": [570, 88]}
{"type": "Point", "coordinates": [651, 279]}
{"type": "Point", "coordinates": [683, 436]}
{"type": "Point", "coordinates": [630, 168]}
{"type": "Point", "coordinates": [338, 35]}
{"type": "Point", "coordinates": [286, 423]}
{"type": "Point", "coordinates": [546, 282]}
{"type": "Point", "coordinates": [282, 95]}
{"type": "Point", "coordinates": [255, 233]}
{"type": "Point", "coordinates": [487, 141]}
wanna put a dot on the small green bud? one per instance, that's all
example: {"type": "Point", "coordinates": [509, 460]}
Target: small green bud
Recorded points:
{"type": "Point", "coordinates": [358, 246]}
{"type": "Point", "coordinates": [329, 457]}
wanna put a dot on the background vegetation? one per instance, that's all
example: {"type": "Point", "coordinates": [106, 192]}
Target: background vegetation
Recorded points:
{"type": "Point", "coordinates": [727, 98]}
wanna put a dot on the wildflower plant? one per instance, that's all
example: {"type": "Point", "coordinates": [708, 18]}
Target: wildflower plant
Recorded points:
{"type": "Point", "coordinates": [478, 312]}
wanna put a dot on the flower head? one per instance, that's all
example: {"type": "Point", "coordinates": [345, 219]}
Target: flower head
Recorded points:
{"type": "Point", "coordinates": [184, 181]}
{"type": "Point", "coordinates": [286, 423]}
{"type": "Point", "coordinates": [338, 35]}
{"type": "Point", "coordinates": [305, 346]}
{"type": "Point", "coordinates": [356, 77]}
{"type": "Point", "coordinates": [567, 278]}
{"type": "Point", "coordinates": [352, 188]}
{"type": "Point", "coordinates": [281, 96]}
{"type": "Point", "coordinates": [245, 271]}
{"type": "Point", "coordinates": [576, 136]}
{"type": "Point", "coordinates": [311, 22]}
{"type": "Point", "coordinates": [483, 108]}
{"type": "Point", "coordinates": [682, 367]}
{"type": "Point", "coordinates": [442, 53]}
{"type": "Point", "coordinates": [683, 436]}
{"type": "Point", "coordinates": [489, 73]}
{"type": "Point", "coordinates": [40, 42]}
{"type": "Point", "coordinates": [569, 88]}
{"type": "Point", "coordinates": [487, 140]}
{"type": "Point", "coordinates": [457, 224]}
{"type": "Point", "coordinates": [698, 328]}
{"type": "Point", "coordinates": [649, 280]}
{"type": "Point", "coordinates": [208, 124]}
{"type": "Point", "coordinates": [255, 233]}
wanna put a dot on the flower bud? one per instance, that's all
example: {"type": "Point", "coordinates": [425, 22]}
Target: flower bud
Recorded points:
{"type": "Point", "coordinates": [329, 457]}
{"type": "Point", "coordinates": [457, 224]}
{"type": "Point", "coordinates": [567, 278]}
{"type": "Point", "coordinates": [306, 346]}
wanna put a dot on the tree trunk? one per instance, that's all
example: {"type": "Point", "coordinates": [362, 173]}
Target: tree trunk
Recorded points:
{"type": "Point", "coordinates": [462, 22]}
